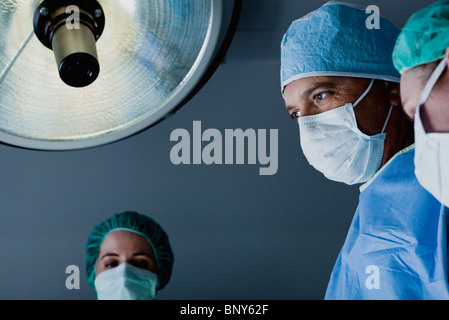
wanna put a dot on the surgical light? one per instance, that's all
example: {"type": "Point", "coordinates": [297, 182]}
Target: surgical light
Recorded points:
{"type": "Point", "coordinates": [82, 73]}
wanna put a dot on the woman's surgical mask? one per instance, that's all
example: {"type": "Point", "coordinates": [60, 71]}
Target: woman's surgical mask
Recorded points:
{"type": "Point", "coordinates": [126, 282]}
{"type": "Point", "coordinates": [333, 144]}
{"type": "Point", "coordinates": [432, 149]}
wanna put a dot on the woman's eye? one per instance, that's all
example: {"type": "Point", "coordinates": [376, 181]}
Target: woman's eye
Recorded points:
{"type": "Point", "coordinates": [112, 264]}
{"type": "Point", "coordinates": [143, 264]}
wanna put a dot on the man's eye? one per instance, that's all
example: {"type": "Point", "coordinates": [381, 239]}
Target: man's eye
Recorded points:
{"type": "Point", "coordinates": [295, 115]}
{"type": "Point", "coordinates": [320, 96]}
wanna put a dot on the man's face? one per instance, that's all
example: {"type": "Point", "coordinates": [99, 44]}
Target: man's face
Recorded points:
{"type": "Point", "coordinates": [315, 95]}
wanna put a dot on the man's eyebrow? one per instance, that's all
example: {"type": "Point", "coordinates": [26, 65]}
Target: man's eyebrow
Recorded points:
{"type": "Point", "coordinates": [320, 85]}
{"type": "Point", "coordinates": [317, 86]}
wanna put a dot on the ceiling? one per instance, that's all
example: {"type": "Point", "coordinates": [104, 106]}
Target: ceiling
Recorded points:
{"type": "Point", "coordinates": [235, 234]}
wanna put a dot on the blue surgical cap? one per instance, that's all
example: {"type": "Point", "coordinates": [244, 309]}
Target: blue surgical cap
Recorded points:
{"type": "Point", "coordinates": [138, 223]}
{"type": "Point", "coordinates": [335, 41]}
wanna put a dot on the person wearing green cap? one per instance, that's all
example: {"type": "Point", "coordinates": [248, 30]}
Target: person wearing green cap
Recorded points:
{"type": "Point", "coordinates": [421, 55]}
{"type": "Point", "coordinates": [128, 257]}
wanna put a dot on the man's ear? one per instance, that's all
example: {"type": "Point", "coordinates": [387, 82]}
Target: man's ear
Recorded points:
{"type": "Point", "coordinates": [447, 56]}
{"type": "Point", "coordinates": [394, 93]}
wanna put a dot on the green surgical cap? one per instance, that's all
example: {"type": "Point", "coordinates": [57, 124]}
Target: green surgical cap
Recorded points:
{"type": "Point", "coordinates": [138, 223]}
{"type": "Point", "coordinates": [424, 38]}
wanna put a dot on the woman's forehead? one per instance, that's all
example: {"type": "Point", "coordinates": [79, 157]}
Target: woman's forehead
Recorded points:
{"type": "Point", "coordinates": [124, 241]}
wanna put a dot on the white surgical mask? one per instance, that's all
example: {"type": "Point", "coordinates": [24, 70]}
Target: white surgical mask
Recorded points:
{"type": "Point", "coordinates": [126, 282]}
{"type": "Point", "coordinates": [432, 149]}
{"type": "Point", "coordinates": [333, 144]}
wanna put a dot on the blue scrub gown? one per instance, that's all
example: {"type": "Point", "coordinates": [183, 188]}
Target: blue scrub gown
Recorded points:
{"type": "Point", "coordinates": [396, 247]}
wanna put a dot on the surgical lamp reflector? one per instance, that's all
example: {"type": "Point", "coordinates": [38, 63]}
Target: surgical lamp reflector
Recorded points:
{"type": "Point", "coordinates": [151, 55]}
